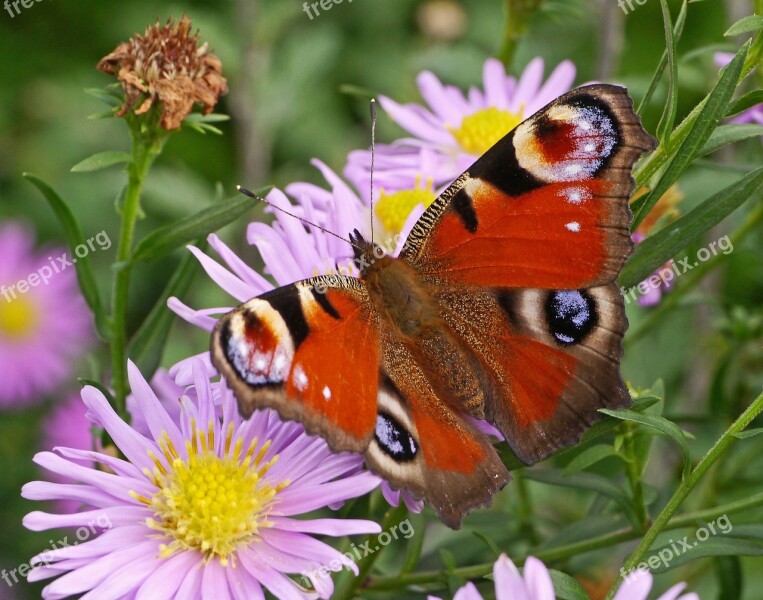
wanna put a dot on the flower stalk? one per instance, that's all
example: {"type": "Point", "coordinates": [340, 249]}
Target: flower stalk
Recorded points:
{"type": "Point", "coordinates": [146, 146]}
{"type": "Point", "coordinates": [662, 520]}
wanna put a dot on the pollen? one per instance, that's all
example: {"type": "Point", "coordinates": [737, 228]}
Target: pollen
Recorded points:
{"type": "Point", "coordinates": [480, 131]}
{"type": "Point", "coordinates": [18, 317]}
{"type": "Point", "coordinates": [393, 209]}
{"type": "Point", "coordinates": [213, 501]}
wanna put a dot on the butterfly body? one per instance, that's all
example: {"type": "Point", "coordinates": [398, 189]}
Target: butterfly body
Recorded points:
{"type": "Point", "coordinates": [501, 306]}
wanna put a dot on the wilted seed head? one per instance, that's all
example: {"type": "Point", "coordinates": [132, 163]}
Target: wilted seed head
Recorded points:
{"type": "Point", "coordinates": [167, 65]}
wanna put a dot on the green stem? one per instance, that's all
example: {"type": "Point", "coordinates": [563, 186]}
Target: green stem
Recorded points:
{"type": "Point", "coordinates": [686, 487]}
{"type": "Point", "coordinates": [647, 168]}
{"type": "Point", "coordinates": [524, 507]}
{"type": "Point", "coordinates": [144, 151]}
{"type": "Point", "coordinates": [349, 587]}
{"type": "Point", "coordinates": [634, 471]}
{"type": "Point", "coordinates": [517, 14]}
{"type": "Point", "coordinates": [688, 281]}
{"type": "Point", "coordinates": [574, 549]}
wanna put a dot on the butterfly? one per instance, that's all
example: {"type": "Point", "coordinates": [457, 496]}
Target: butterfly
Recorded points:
{"type": "Point", "coordinates": [502, 306]}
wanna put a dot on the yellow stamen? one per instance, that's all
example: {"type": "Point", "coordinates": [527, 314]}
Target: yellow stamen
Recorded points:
{"type": "Point", "coordinates": [393, 209]}
{"type": "Point", "coordinates": [480, 131]}
{"type": "Point", "coordinates": [18, 317]}
{"type": "Point", "coordinates": [209, 503]}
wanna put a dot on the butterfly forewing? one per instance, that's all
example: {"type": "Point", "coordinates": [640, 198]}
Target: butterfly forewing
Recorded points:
{"type": "Point", "coordinates": [546, 207]}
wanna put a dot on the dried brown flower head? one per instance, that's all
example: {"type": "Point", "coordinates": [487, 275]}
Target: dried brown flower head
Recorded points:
{"type": "Point", "coordinates": [167, 65]}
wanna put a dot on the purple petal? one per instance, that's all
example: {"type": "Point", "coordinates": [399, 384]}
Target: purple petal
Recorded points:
{"type": "Point", "coordinates": [164, 582]}
{"type": "Point", "coordinates": [636, 586]}
{"type": "Point", "coordinates": [494, 79]}
{"type": "Point", "coordinates": [332, 527]}
{"type": "Point", "coordinates": [528, 85]}
{"type": "Point", "coordinates": [538, 580]}
{"type": "Point", "coordinates": [509, 584]}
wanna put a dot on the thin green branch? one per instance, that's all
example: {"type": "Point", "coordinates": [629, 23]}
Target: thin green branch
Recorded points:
{"type": "Point", "coordinates": [634, 471]}
{"type": "Point", "coordinates": [559, 553]}
{"type": "Point", "coordinates": [662, 520]}
{"type": "Point", "coordinates": [144, 151]}
{"type": "Point", "coordinates": [517, 14]}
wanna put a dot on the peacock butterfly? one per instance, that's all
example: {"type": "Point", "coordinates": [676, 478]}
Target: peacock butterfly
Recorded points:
{"type": "Point", "coordinates": [501, 306]}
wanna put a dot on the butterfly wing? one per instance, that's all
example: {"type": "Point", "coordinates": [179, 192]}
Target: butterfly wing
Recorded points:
{"type": "Point", "coordinates": [309, 350]}
{"type": "Point", "coordinates": [521, 252]}
{"type": "Point", "coordinates": [317, 353]}
{"type": "Point", "coordinates": [428, 446]}
{"type": "Point", "coordinates": [549, 359]}
{"type": "Point", "coordinates": [546, 207]}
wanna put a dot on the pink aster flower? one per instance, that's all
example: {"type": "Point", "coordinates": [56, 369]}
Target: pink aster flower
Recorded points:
{"type": "Point", "coordinates": [44, 323]}
{"type": "Point", "coordinates": [291, 251]}
{"type": "Point", "coordinates": [534, 583]}
{"type": "Point", "coordinates": [450, 132]}
{"type": "Point", "coordinates": [202, 507]}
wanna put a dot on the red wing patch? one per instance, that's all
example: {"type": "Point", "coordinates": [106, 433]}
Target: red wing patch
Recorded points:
{"type": "Point", "coordinates": [310, 351]}
{"type": "Point", "coordinates": [546, 207]}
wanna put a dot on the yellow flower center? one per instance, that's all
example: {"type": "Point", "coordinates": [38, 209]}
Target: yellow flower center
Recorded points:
{"type": "Point", "coordinates": [18, 317]}
{"type": "Point", "coordinates": [393, 209]}
{"type": "Point", "coordinates": [480, 131]}
{"type": "Point", "coordinates": [209, 503]}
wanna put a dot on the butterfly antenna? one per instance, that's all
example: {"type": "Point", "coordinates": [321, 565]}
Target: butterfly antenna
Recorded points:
{"type": "Point", "coordinates": [251, 194]}
{"type": "Point", "coordinates": [373, 157]}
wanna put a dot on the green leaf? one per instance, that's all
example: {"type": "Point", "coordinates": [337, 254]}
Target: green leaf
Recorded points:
{"type": "Point", "coordinates": [743, 435]}
{"type": "Point", "coordinates": [589, 457]}
{"type": "Point", "coordinates": [202, 123]}
{"type": "Point", "coordinates": [668, 118]}
{"type": "Point", "coordinates": [730, 577]}
{"type": "Point", "coordinates": [707, 120]}
{"type": "Point", "coordinates": [147, 345]}
{"type": "Point", "coordinates": [567, 587]}
{"type": "Point", "coordinates": [101, 160]}
{"type": "Point", "coordinates": [745, 102]}
{"type": "Point", "coordinates": [730, 134]}
{"type": "Point", "coordinates": [745, 25]}
{"type": "Point", "coordinates": [655, 250]}
{"type": "Point", "coordinates": [677, 33]}
{"type": "Point", "coordinates": [74, 238]}
{"type": "Point", "coordinates": [166, 239]}
{"type": "Point", "coordinates": [713, 546]}
{"type": "Point", "coordinates": [108, 95]}
{"type": "Point", "coordinates": [660, 424]}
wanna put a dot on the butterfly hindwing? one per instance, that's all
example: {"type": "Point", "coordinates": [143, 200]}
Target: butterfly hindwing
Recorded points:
{"type": "Point", "coordinates": [426, 445]}
{"type": "Point", "coordinates": [310, 351]}
{"type": "Point", "coordinates": [550, 359]}
{"type": "Point", "coordinates": [546, 207]}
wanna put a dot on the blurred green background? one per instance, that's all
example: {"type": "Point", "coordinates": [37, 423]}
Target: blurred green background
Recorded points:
{"type": "Point", "coordinates": [285, 72]}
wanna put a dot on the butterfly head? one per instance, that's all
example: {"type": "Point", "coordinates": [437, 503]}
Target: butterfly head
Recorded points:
{"type": "Point", "coordinates": [367, 253]}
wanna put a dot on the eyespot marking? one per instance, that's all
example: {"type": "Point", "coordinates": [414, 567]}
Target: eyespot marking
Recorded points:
{"type": "Point", "coordinates": [394, 439]}
{"type": "Point", "coordinates": [571, 315]}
